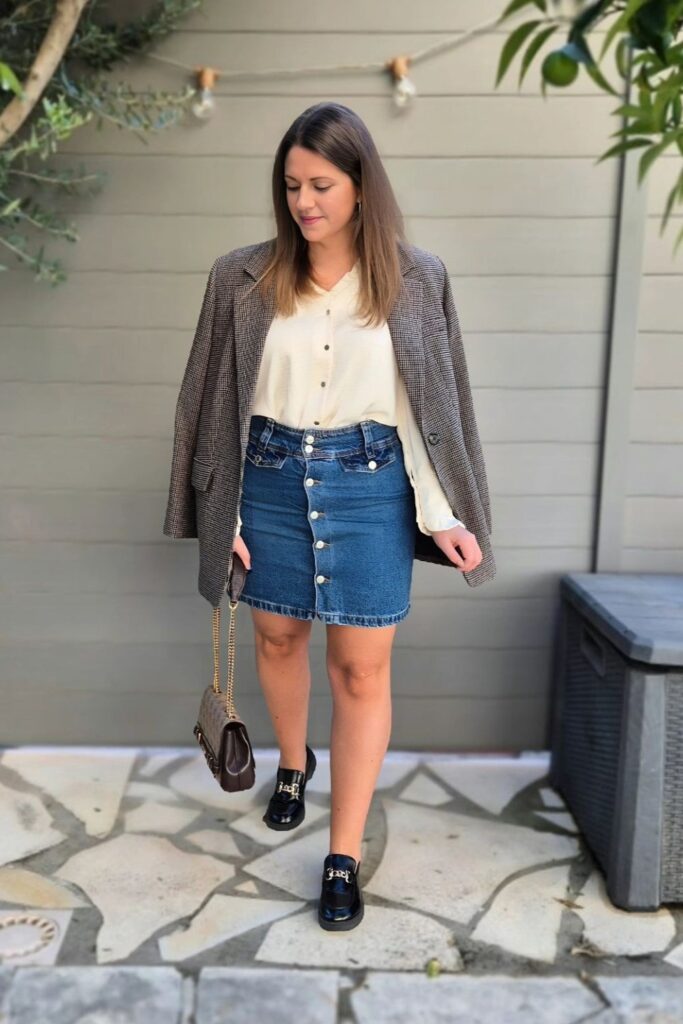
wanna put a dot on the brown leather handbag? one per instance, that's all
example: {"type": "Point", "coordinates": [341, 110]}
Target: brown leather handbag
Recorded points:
{"type": "Point", "coordinates": [220, 732]}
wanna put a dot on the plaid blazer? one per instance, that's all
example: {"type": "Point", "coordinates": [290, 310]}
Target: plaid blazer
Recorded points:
{"type": "Point", "coordinates": [214, 409]}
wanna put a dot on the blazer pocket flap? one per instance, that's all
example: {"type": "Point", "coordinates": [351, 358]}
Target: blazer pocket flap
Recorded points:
{"type": "Point", "coordinates": [201, 474]}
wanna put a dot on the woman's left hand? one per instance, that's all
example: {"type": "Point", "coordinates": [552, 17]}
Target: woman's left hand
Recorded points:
{"type": "Point", "coordinates": [466, 543]}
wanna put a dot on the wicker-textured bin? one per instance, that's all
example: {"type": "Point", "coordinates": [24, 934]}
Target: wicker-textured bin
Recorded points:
{"type": "Point", "coordinates": [617, 728]}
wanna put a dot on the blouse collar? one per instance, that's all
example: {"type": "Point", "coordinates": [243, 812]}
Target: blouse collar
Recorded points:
{"type": "Point", "coordinates": [349, 279]}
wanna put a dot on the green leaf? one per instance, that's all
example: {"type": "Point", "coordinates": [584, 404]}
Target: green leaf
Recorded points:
{"type": "Point", "coordinates": [9, 81]}
{"type": "Point", "coordinates": [586, 18]}
{"type": "Point", "coordinates": [533, 48]}
{"type": "Point", "coordinates": [621, 23]}
{"type": "Point", "coordinates": [6, 211]}
{"type": "Point", "coordinates": [640, 124]}
{"type": "Point", "coordinates": [628, 110]}
{"type": "Point", "coordinates": [678, 241]}
{"type": "Point", "coordinates": [512, 44]}
{"type": "Point", "coordinates": [621, 57]}
{"type": "Point", "coordinates": [671, 198]}
{"type": "Point", "coordinates": [596, 74]}
{"type": "Point", "coordinates": [653, 152]}
{"type": "Point", "coordinates": [517, 5]}
{"type": "Point", "coordinates": [621, 147]}
{"type": "Point", "coordinates": [661, 102]}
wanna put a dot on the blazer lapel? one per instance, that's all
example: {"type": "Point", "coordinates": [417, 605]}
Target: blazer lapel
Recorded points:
{"type": "Point", "coordinates": [405, 327]}
{"type": "Point", "coordinates": [253, 315]}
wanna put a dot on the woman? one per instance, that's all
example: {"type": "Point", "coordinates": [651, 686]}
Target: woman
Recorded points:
{"type": "Point", "coordinates": [330, 352]}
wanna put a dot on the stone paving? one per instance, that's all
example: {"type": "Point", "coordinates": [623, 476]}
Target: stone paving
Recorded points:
{"type": "Point", "coordinates": [132, 888]}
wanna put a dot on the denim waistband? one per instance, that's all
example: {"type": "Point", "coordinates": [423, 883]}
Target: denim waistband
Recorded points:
{"type": "Point", "coordinates": [369, 436]}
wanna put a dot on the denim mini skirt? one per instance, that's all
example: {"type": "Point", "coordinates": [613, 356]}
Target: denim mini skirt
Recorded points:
{"type": "Point", "coordinates": [328, 516]}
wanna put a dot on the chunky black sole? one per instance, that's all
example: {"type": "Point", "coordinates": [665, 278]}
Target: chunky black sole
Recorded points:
{"type": "Point", "coordinates": [301, 811]}
{"type": "Point", "coordinates": [279, 826]}
{"type": "Point", "coordinates": [342, 926]}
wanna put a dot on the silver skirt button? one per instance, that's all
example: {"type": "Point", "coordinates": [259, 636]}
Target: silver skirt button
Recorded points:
{"type": "Point", "coordinates": [372, 464]}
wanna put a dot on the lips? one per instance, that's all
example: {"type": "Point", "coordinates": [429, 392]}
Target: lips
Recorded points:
{"type": "Point", "coordinates": [310, 220]}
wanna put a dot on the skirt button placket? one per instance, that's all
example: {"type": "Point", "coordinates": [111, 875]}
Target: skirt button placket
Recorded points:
{"type": "Point", "coordinates": [309, 481]}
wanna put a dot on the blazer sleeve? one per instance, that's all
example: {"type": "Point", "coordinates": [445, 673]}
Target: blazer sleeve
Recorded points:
{"type": "Point", "coordinates": [180, 520]}
{"type": "Point", "coordinates": [468, 420]}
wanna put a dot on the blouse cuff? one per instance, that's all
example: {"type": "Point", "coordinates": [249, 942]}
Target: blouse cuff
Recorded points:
{"type": "Point", "coordinates": [430, 520]}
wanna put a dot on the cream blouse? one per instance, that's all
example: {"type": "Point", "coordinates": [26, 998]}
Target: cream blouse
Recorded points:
{"type": "Point", "coordinates": [322, 368]}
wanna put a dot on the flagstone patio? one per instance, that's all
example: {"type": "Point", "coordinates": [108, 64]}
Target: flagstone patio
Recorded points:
{"type": "Point", "coordinates": [130, 883]}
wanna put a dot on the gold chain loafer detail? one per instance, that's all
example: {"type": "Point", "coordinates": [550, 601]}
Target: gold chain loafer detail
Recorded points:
{"type": "Point", "coordinates": [341, 900]}
{"type": "Point", "coordinates": [286, 807]}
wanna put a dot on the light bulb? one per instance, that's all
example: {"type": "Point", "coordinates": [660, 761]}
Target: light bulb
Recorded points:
{"type": "Point", "coordinates": [404, 90]}
{"type": "Point", "coordinates": [204, 106]}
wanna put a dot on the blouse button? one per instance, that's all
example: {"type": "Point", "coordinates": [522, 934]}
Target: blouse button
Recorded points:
{"type": "Point", "coordinates": [309, 481]}
{"type": "Point", "coordinates": [308, 447]}
{"type": "Point", "coordinates": [314, 515]}
{"type": "Point", "coordinates": [320, 543]}
{"type": "Point", "coordinates": [372, 464]}
{"type": "Point", "coordinates": [320, 579]}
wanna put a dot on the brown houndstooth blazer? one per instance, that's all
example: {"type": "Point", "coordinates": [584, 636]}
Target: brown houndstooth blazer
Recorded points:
{"type": "Point", "coordinates": [214, 409]}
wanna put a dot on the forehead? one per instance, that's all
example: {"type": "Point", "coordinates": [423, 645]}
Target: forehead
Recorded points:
{"type": "Point", "coordinates": [304, 163]}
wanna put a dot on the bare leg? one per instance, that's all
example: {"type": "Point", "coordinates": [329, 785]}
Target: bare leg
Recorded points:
{"type": "Point", "coordinates": [359, 668]}
{"type": "Point", "coordinates": [281, 644]}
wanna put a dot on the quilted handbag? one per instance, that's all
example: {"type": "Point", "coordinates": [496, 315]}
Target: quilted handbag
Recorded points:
{"type": "Point", "coordinates": [220, 732]}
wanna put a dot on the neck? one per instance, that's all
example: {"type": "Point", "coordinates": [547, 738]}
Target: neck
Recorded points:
{"type": "Point", "coordinates": [327, 259]}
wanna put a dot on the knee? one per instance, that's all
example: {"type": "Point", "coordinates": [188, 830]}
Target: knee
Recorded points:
{"type": "Point", "coordinates": [357, 678]}
{"type": "Point", "coordinates": [281, 642]}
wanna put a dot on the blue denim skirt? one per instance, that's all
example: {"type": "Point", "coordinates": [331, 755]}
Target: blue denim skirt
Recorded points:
{"type": "Point", "coordinates": [328, 516]}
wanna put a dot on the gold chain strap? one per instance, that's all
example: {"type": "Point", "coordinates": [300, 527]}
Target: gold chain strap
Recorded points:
{"type": "Point", "coordinates": [230, 685]}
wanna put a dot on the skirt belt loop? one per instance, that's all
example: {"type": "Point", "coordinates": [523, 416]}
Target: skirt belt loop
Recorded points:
{"type": "Point", "coordinates": [366, 427]}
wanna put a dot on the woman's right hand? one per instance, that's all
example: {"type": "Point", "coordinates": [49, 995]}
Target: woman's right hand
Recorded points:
{"type": "Point", "coordinates": [240, 548]}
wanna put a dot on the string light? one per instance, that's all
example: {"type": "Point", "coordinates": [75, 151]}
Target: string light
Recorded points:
{"type": "Point", "coordinates": [404, 89]}
{"type": "Point", "coordinates": [205, 104]}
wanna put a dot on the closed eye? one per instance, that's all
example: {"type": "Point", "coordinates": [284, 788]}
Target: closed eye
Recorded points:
{"type": "Point", "coordinates": [293, 188]}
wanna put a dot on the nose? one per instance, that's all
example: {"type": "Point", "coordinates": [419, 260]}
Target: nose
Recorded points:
{"type": "Point", "coordinates": [302, 205]}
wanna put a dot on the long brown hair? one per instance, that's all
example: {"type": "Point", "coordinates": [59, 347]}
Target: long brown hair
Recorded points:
{"type": "Point", "coordinates": [339, 135]}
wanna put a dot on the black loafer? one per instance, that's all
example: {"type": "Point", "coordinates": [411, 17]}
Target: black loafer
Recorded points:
{"type": "Point", "coordinates": [341, 901]}
{"type": "Point", "coordinates": [286, 807]}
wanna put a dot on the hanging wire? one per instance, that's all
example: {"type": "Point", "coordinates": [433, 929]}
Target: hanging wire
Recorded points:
{"type": "Point", "coordinates": [418, 55]}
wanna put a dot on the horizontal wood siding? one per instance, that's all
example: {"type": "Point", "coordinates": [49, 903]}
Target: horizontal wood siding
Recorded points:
{"type": "Point", "coordinates": [101, 619]}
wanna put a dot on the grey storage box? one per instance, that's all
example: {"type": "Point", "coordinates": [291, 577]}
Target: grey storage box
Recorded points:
{"type": "Point", "coordinates": [617, 728]}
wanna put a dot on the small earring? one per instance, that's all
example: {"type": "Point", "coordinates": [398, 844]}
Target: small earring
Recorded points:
{"type": "Point", "coordinates": [359, 207]}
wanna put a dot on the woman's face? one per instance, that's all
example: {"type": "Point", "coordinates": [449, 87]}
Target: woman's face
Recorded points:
{"type": "Point", "coordinates": [318, 189]}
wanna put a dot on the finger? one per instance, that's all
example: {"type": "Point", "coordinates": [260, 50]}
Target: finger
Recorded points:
{"type": "Point", "coordinates": [240, 548]}
{"type": "Point", "coordinates": [456, 557]}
